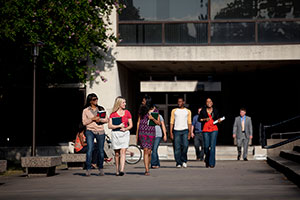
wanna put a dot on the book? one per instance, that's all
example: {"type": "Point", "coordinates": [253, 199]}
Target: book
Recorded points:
{"type": "Point", "coordinates": [116, 121]}
{"type": "Point", "coordinates": [102, 114]}
{"type": "Point", "coordinates": [217, 121]}
{"type": "Point", "coordinates": [155, 116]}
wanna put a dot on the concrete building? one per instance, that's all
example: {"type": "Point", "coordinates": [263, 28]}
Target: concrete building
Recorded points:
{"type": "Point", "coordinates": [239, 53]}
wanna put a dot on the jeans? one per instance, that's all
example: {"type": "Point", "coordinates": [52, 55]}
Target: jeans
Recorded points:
{"type": "Point", "coordinates": [154, 155]}
{"type": "Point", "coordinates": [198, 143]}
{"type": "Point", "coordinates": [94, 153]}
{"type": "Point", "coordinates": [90, 144]}
{"type": "Point", "coordinates": [210, 141]}
{"type": "Point", "coordinates": [181, 144]}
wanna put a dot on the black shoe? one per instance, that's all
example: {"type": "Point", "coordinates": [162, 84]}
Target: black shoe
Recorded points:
{"type": "Point", "coordinates": [121, 173]}
{"type": "Point", "coordinates": [239, 158]}
{"type": "Point", "coordinates": [245, 159]}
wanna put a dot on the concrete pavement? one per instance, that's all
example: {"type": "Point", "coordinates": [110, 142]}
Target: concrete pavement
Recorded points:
{"type": "Point", "coordinates": [228, 180]}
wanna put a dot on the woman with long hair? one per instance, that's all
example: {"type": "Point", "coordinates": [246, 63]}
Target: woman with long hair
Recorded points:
{"type": "Point", "coordinates": [120, 132]}
{"type": "Point", "coordinates": [208, 115]}
{"type": "Point", "coordinates": [94, 129]}
{"type": "Point", "coordinates": [145, 134]}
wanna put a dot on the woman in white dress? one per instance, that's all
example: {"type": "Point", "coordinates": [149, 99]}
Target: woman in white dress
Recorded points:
{"type": "Point", "coordinates": [120, 132]}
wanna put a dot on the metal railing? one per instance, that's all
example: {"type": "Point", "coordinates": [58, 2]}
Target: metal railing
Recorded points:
{"type": "Point", "coordinates": [263, 138]}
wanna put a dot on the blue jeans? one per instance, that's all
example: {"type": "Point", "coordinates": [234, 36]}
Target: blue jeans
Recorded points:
{"type": "Point", "coordinates": [210, 141]}
{"type": "Point", "coordinates": [154, 155]}
{"type": "Point", "coordinates": [90, 145]}
{"type": "Point", "coordinates": [181, 145]}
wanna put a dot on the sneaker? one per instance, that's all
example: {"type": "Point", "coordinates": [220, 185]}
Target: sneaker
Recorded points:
{"type": "Point", "coordinates": [184, 165]}
{"type": "Point", "coordinates": [101, 172]}
{"type": "Point", "coordinates": [88, 172]}
{"type": "Point", "coordinates": [178, 166]}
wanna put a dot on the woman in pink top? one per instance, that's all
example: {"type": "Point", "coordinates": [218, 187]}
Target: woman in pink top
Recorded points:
{"type": "Point", "coordinates": [120, 133]}
{"type": "Point", "coordinates": [94, 129]}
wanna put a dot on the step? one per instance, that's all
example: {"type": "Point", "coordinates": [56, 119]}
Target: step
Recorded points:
{"type": "Point", "coordinates": [296, 148]}
{"type": "Point", "coordinates": [289, 168]}
{"type": "Point", "coordinates": [290, 155]}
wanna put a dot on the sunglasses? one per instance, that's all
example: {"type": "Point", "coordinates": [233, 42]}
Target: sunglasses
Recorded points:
{"type": "Point", "coordinates": [94, 99]}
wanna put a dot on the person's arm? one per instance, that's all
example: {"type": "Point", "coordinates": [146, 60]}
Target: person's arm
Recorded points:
{"type": "Point", "coordinates": [82, 142]}
{"type": "Point", "coordinates": [189, 123]}
{"type": "Point", "coordinates": [156, 121]}
{"type": "Point", "coordinates": [86, 120]}
{"type": "Point", "coordinates": [192, 131]}
{"type": "Point", "coordinates": [163, 126]}
{"type": "Point", "coordinates": [128, 127]}
{"type": "Point", "coordinates": [202, 117]}
{"type": "Point", "coordinates": [172, 120]}
{"type": "Point", "coordinates": [104, 120]}
{"type": "Point", "coordinates": [234, 129]}
{"type": "Point", "coordinates": [251, 128]}
{"type": "Point", "coordinates": [137, 131]}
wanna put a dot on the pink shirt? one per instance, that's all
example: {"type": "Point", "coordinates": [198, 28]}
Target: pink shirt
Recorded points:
{"type": "Point", "coordinates": [87, 121]}
{"type": "Point", "coordinates": [125, 117]}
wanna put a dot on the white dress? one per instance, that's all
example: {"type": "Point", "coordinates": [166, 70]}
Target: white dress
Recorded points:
{"type": "Point", "coordinates": [120, 139]}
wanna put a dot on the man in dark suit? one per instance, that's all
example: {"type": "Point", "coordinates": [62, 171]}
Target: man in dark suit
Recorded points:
{"type": "Point", "coordinates": [243, 132]}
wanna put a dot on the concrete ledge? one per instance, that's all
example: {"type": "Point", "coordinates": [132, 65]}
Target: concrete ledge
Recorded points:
{"type": "Point", "coordinates": [3, 166]}
{"type": "Point", "coordinates": [38, 165]}
{"type": "Point", "coordinates": [74, 160]}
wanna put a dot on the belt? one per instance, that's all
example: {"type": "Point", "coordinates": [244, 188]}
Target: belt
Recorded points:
{"type": "Point", "coordinates": [243, 131]}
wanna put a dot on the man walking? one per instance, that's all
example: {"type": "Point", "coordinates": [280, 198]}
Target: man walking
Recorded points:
{"type": "Point", "coordinates": [180, 132]}
{"type": "Point", "coordinates": [196, 133]}
{"type": "Point", "coordinates": [242, 131]}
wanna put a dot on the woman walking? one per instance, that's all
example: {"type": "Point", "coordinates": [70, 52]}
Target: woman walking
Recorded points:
{"type": "Point", "coordinates": [120, 132]}
{"type": "Point", "coordinates": [94, 129]}
{"type": "Point", "coordinates": [145, 134]}
{"type": "Point", "coordinates": [208, 115]}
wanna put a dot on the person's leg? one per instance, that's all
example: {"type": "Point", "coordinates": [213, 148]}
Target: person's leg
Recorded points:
{"type": "Point", "coordinates": [90, 145]}
{"type": "Point", "coordinates": [201, 145]}
{"type": "Point", "coordinates": [245, 146]}
{"type": "Point", "coordinates": [100, 144]}
{"type": "Point", "coordinates": [239, 142]}
{"type": "Point", "coordinates": [117, 160]}
{"type": "Point", "coordinates": [122, 159]}
{"type": "Point", "coordinates": [213, 142]}
{"type": "Point", "coordinates": [206, 139]}
{"type": "Point", "coordinates": [177, 148]}
{"type": "Point", "coordinates": [197, 145]}
{"type": "Point", "coordinates": [154, 155]}
{"type": "Point", "coordinates": [146, 160]}
{"type": "Point", "coordinates": [185, 145]}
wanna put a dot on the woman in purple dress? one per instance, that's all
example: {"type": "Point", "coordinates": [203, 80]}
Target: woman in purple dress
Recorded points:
{"type": "Point", "coordinates": [145, 134]}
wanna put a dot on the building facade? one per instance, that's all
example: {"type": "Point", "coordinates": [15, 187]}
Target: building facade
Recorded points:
{"type": "Point", "coordinates": [241, 53]}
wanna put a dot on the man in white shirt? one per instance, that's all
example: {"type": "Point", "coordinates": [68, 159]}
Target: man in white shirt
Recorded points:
{"type": "Point", "coordinates": [180, 132]}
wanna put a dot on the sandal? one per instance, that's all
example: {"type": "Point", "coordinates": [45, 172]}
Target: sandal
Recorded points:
{"type": "Point", "coordinates": [147, 173]}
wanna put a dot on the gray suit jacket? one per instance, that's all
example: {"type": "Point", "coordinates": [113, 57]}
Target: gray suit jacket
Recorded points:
{"type": "Point", "coordinates": [237, 127]}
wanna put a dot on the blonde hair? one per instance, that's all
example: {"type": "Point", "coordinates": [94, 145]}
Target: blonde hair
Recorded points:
{"type": "Point", "coordinates": [117, 104]}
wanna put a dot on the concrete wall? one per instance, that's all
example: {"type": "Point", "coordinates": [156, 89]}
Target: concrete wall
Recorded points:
{"type": "Point", "coordinates": [276, 151]}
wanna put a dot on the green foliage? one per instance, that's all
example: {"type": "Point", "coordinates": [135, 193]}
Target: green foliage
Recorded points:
{"type": "Point", "coordinates": [72, 31]}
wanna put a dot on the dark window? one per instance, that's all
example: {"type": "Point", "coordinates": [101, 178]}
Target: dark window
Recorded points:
{"type": "Point", "coordinates": [164, 10]}
{"type": "Point", "coordinates": [140, 33]}
{"type": "Point", "coordinates": [232, 33]}
{"type": "Point", "coordinates": [278, 32]}
{"type": "Point", "coordinates": [278, 9]}
{"type": "Point", "coordinates": [186, 33]}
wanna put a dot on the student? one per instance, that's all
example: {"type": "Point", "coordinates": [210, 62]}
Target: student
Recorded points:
{"type": "Point", "coordinates": [120, 133]}
{"type": "Point", "coordinates": [160, 129]}
{"type": "Point", "coordinates": [210, 132]}
{"type": "Point", "coordinates": [198, 136]}
{"type": "Point", "coordinates": [145, 134]}
{"type": "Point", "coordinates": [243, 132]}
{"type": "Point", "coordinates": [94, 129]}
{"type": "Point", "coordinates": [180, 132]}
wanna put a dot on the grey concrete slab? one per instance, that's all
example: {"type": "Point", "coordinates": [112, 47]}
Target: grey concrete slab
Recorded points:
{"type": "Point", "coordinates": [228, 180]}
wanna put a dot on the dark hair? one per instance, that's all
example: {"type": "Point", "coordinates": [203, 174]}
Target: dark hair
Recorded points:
{"type": "Point", "coordinates": [180, 98]}
{"type": "Point", "coordinates": [243, 109]}
{"type": "Point", "coordinates": [81, 127]}
{"type": "Point", "coordinates": [144, 109]}
{"type": "Point", "coordinates": [89, 99]}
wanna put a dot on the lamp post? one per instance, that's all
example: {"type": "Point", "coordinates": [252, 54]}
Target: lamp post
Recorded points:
{"type": "Point", "coordinates": [35, 54]}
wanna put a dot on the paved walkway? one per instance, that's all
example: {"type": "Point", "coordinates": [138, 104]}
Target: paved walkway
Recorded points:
{"type": "Point", "coordinates": [229, 180]}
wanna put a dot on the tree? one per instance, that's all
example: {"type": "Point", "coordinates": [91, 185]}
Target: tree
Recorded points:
{"type": "Point", "coordinates": [72, 32]}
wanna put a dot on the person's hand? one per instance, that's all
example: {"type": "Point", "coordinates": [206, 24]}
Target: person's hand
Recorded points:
{"type": "Point", "coordinates": [151, 117]}
{"type": "Point", "coordinates": [123, 129]}
{"type": "Point", "coordinates": [189, 136]}
{"type": "Point", "coordinates": [105, 120]}
{"type": "Point", "coordinates": [165, 138]}
{"type": "Point", "coordinates": [95, 118]}
{"type": "Point", "coordinates": [171, 136]}
{"type": "Point", "coordinates": [121, 125]}
{"type": "Point", "coordinates": [192, 135]}
{"type": "Point", "coordinates": [234, 135]}
{"type": "Point", "coordinates": [219, 120]}
{"type": "Point", "coordinates": [250, 136]}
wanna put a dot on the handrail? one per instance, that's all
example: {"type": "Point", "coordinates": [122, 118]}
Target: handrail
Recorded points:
{"type": "Point", "coordinates": [286, 133]}
{"type": "Point", "coordinates": [262, 134]}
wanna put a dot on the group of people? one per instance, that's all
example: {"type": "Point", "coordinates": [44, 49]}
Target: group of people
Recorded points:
{"type": "Point", "coordinates": [151, 130]}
